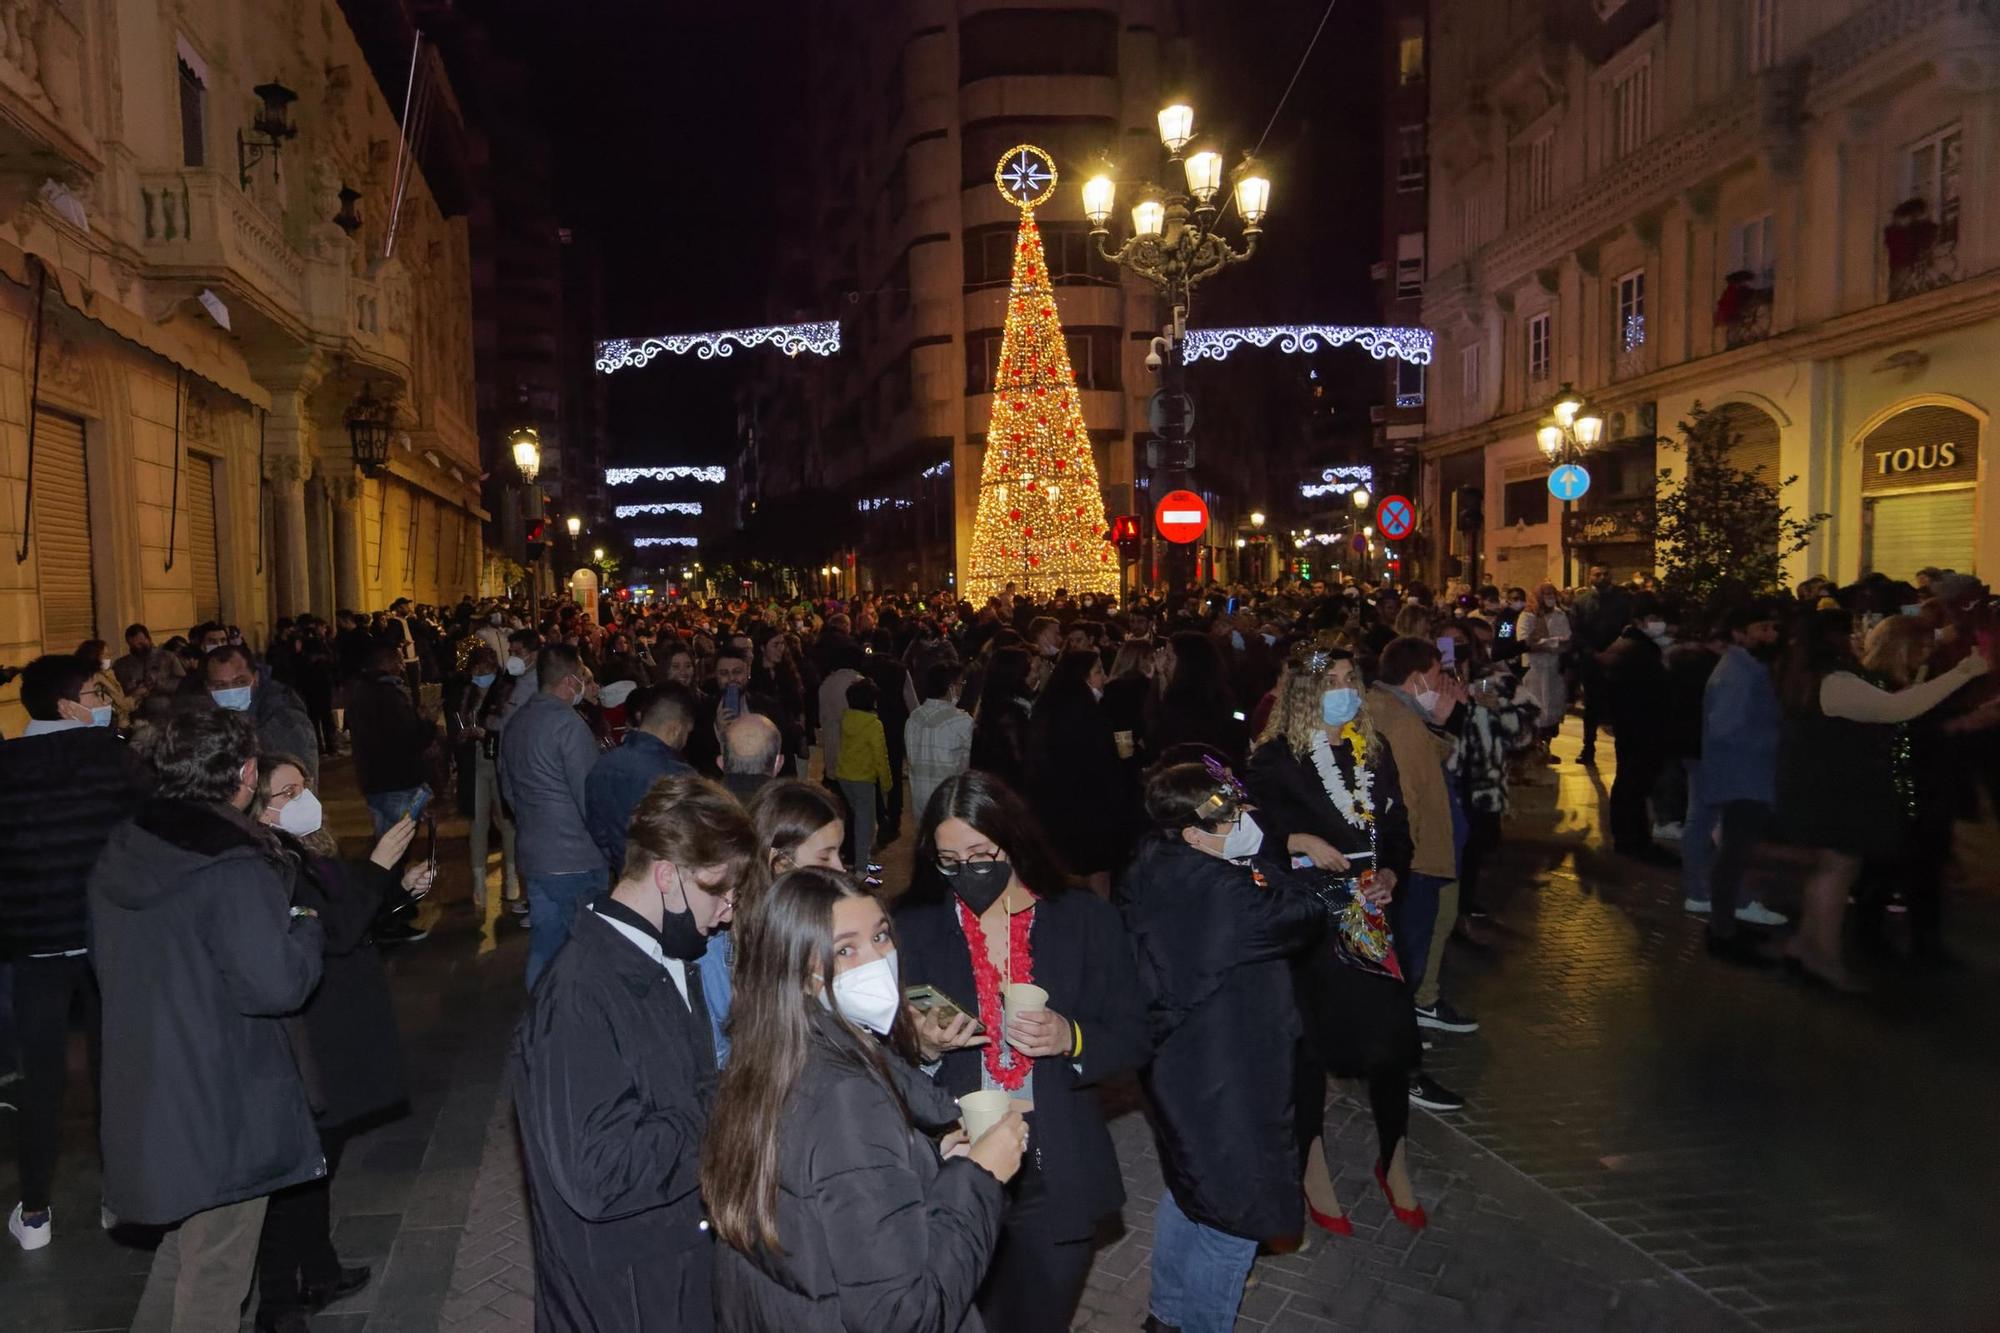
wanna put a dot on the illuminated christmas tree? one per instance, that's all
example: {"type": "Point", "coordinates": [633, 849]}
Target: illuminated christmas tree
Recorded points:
{"type": "Point", "coordinates": [1040, 522]}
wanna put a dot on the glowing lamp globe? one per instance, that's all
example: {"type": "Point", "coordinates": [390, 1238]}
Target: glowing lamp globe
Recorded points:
{"type": "Point", "coordinates": [1176, 126]}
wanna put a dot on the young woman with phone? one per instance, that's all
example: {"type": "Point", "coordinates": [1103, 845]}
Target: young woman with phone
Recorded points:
{"type": "Point", "coordinates": [991, 910]}
{"type": "Point", "coordinates": [842, 1194]}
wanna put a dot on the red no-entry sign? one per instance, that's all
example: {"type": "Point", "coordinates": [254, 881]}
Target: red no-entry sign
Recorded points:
{"type": "Point", "coordinates": [1181, 517]}
{"type": "Point", "coordinates": [1395, 518]}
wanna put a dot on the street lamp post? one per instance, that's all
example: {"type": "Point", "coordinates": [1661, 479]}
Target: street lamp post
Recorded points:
{"type": "Point", "coordinates": [1572, 429]}
{"type": "Point", "coordinates": [526, 446]}
{"type": "Point", "coordinates": [1174, 246]}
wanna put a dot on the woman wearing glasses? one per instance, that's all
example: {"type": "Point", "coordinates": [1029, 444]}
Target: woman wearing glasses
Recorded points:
{"type": "Point", "coordinates": [990, 910]}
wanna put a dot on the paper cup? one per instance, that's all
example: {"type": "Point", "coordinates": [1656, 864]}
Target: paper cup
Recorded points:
{"type": "Point", "coordinates": [1124, 742]}
{"type": "Point", "coordinates": [981, 1111]}
{"type": "Point", "coordinates": [1024, 998]}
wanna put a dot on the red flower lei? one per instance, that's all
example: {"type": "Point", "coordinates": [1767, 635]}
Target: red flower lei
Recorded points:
{"type": "Point", "coordinates": [1007, 1067]}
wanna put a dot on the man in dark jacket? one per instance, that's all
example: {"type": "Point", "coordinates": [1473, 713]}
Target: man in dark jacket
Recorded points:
{"type": "Point", "coordinates": [201, 955]}
{"type": "Point", "coordinates": [660, 719]}
{"type": "Point", "coordinates": [614, 1075]}
{"type": "Point", "coordinates": [64, 784]}
{"type": "Point", "coordinates": [1602, 611]}
{"type": "Point", "coordinates": [389, 738]}
{"type": "Point", "coordinates": [1633, 676]}
{"type": "Point", "coordinates": [546, 755]}
{"type": "Point", "coordinates": [233, 683]}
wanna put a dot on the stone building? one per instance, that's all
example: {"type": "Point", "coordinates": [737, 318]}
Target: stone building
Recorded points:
{"type": "Point", "coordinates": [1783, 209]}
{"type": "Point", "coordinates": [188, 315]}
{"type": "Point", "coordinates": [910, 246]}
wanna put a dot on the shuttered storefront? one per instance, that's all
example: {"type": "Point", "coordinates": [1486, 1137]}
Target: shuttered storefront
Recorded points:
{"type": "Point", "coordinates": [1920, 530]}
{"type": "Point", "coordinates": [204, 560]}
{"type": "Point", "coordinates": [59, 524]}
{"type": "Point", "coordinates": [1919, 475]}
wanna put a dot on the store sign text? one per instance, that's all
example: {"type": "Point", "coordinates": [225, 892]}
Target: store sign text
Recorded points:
{"type": "Point", "coordinates": [1916, 458]}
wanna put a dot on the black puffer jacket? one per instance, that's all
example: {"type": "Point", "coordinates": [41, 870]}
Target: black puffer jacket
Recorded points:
{"type": "Point", "coordinates": [876, 1232]}
{"type": "Point", "coordinates": [199, 958]}
{"type": "Point", "coordinates": [60, 794]}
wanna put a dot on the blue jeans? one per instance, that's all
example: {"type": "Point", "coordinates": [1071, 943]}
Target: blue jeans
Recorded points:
{"type": "Point", "coordinates": [861, 821]}
{"type": "Point", "coordinates": [1198, 1272]}
{"type": "Point", "coordinates": [1413, 914]}
{"type": "Point", "coordinates": [386, 807]}
{"type": "Point", "coordinates": [1697, 836]}
{"type": "Point", "coordinates": [553, 901]}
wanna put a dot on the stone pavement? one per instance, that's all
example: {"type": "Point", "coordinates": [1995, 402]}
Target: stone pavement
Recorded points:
{"type": "Point", "coordinates": [1653, 1141]}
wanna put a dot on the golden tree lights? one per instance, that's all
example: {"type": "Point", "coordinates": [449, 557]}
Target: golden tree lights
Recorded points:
{"type": "Point", "coordinates": [1040, 521]}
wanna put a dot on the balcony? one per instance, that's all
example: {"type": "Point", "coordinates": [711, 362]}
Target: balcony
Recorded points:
{"type": "Point", "coordinates": [200, 229]}
{"type": "Point", "coordinates": [1923, 254]}
{"type": "Point", "coordinates": [1743, 311]}
{"type": "Point", "coordinates": [42, 128]}
{"type": "Point", "coordinates": [1632, 354]}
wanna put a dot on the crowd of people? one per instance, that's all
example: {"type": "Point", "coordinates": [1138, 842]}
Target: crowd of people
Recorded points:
{"type": "Point", "coordinates": [1217, 843]}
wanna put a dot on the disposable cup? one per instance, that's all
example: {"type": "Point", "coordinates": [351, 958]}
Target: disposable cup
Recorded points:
{"type": "Point", "coordinates": [981, 1111]}
{"type": "Point", "coordinates": [1021, 997]}
{"type": "Point", "coordinates": [1123, 739]}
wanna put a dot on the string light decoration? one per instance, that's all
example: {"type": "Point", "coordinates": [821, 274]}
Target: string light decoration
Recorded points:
{"type": "Point", "coordinates": [666, 541]}
{"type": "Point", "coordinates": [1379, 341]}
{"type": "Point", "coordinates": [625, 476]}
{"type": "Point", "coordinates": [1339, 481]}
{"type": "Point", "coordinates": [821, 339]}
{"type": "Point", "coordinates": [692, 508]}
{"type": "Point", "coordinates": [1040, 521]}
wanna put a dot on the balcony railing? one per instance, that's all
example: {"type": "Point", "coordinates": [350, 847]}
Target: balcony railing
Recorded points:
{"type": "Point", "coordinates": [1922, 256]}
{"type": "Point", "coordinates": [1631, 355]}
{"type": "Point", "coordinates": [1743, 313]}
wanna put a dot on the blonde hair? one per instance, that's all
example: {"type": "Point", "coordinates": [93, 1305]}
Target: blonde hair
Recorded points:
{"type": "Point", "coordinates": [1295, 707]}
{"type": "Point", "coordinates": [320, 842]}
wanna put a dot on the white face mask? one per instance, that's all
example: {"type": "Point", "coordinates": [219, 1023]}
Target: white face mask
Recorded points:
{"type": "Point", "coordinates": [1427, 700]}
{"type": "Point", "coordinates": [869, 995]}
{"type": "Point", "coordinates": [104, 664]}
{"type": "Point", "coordinates": [1245, 840]}
{"type": "Point", "coordinates": [516, 667]}
{"type": "Point", "coordinates": [301, 815]}
{"type": "Point", "coordinates": [1097, 692]}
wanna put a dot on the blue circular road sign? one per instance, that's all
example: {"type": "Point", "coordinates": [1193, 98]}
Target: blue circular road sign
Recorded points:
{"type": "Point", "coordinates": [1569, 482]}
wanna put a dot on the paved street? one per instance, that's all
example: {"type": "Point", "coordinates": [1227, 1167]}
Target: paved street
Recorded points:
{"type": "Point", "coordinates": [1653, 1142]}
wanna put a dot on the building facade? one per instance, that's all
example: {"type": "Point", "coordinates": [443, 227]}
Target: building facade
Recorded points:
{"type": "Point", "coordinates": [911, 247]}
{"type": "Point", "coordinates": [187, 319]}
{"type": "Point", "coordinates": [1782, 209]}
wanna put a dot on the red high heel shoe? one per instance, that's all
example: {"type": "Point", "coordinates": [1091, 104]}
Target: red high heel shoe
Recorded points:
{"type": "Point", "coordinates": [1339, 1226]}
{"type": "Point", "coordinates": [1413, 1218]}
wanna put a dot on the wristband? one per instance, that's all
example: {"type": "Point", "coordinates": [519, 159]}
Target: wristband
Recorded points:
{"type": "Point", "coordinates": [1076, 1042]}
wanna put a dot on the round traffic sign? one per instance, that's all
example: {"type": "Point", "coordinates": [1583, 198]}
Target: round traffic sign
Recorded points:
{"type": "Point", "coordinates": [1181, 517]}
{"type": "Point", "coordinates": [1569, 482]}
{"type": "Point", "coordinates": [1395, 518]}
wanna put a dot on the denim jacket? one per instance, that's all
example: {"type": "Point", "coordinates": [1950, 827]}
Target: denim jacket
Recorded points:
{"type": "Point", "coordinates": [1739, 731]}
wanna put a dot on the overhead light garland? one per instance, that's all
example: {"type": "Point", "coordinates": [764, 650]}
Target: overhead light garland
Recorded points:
{"type": "Point", "coordinates": [1380, 341]}
{"type": "Point", "coordinates": [883, 502]}
{"type": "Point", "coordinates": [692, 508]}
{"type": "Point", "coordinates": [821, 339]}
{"type": "Point", "coordinates": [1339, 481]}
{"type": "Point", "coordinates": [666, 541]}
{"type": "Point", "coordinates": [1040, 521]}
{"type": "Point", "coordinates": [625, 476]}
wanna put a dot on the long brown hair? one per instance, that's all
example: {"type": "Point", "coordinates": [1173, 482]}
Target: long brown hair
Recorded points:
{"type": "Point", "coordinates": [775, 1023]}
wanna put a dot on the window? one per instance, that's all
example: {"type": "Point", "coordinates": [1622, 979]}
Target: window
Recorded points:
{"type": "Point", "coordinates": [1632, 310]}
{"type": "Point", "coordinates": [1410, 157]}
{"type": "Point", "coordinates": [1094, 355]}
{"type": "Point", "coordinates": [1632, 108]}
{"type": "Point", "coordinates": [193, 152]}
{"type": "Point", "coordinates": [1750, 249]}
{"type": "Point", "coordinates": [1468, 376]}
{"type": "Point", "coordinates": [982, 360]}
{"type": "Point", "coordinates": [1410, 264]}
{"type": "Point", "coordinates": [1541, 182]}
{"type": "Point", "coordinates": [1409, 384]}
{"type": "Point", "coordinates": [1933, 176]}
{"type": "Point", "coordinates": [1525, 501]}
{"type": "Point", "coordinates": [1037, 41]}
{"type": "Point", "coordinates": [1538, 348]}
{"type": "Point", "coordinates": [1763, 19]}
{"type": "Point", "coordinates": [1410, 51]}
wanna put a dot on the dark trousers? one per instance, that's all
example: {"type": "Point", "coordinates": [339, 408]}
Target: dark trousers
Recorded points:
{"type": "Point", "coordinates": [46, 991]}
{"type": "Point", "coordinates": [1595, 689]}
{"type": "Point", "coordinates": [296, 1248]}
{"type": "Point", "coordinates": [892, 808]}
{"type": "Point", "coordinates": [1743, 826]}
{"type": "Point", "coordinates": [1413, 916]}
{"type": "Point", "coordinates": [1639, 760]}
{"type": "Point", "coordinates": [1036, 1279]}
{"type": "Point", "coordinates": [1482, 838]}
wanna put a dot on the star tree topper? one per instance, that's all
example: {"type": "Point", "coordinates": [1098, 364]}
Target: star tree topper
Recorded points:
{"type": "Point", "coordinates": [1040, 522]}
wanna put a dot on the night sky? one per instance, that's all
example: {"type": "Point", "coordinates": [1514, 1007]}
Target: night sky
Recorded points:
{"type": "Point", "coordinates": [673, 127]}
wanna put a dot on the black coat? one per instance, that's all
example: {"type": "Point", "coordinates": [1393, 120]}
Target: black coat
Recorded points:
{"type": "Point", "coordinates": [198, 957]}
{"type": "Point", "coordinates": [389, 737]}
{"type": "Point", "coordinates": [61, 793]}
{"type": "Point", "coordinates": [614, 1076]}
{"type": "Point", "coordinates": [1000, 742]}
{"type": "Point", "coordinates": [877, 1233]}
{"type": "Point", "coordinates": [1084, 961]}
{"type": "Point", "coordinates": [1213, 945]}
{"type": "Point", "coordinates": [1291, 799]}
{"type": "Point", "coordinates": [355, 1072]}
{"type": "Point", "coordinates": [1078, 787]}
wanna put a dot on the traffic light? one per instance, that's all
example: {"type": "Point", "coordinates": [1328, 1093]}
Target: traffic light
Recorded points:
{"type": "Point", "coordinates": [1124, 534]}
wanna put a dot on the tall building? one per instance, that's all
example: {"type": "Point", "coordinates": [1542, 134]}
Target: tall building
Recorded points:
{"type": "Point", "coordinates": [197, 284]}
{"type": "Point", "coordinates": [903, 237]}
{"type": "Point", "coordinates": [1782, 209]}
{"type": "Point", "coordinates": [1399, 274]}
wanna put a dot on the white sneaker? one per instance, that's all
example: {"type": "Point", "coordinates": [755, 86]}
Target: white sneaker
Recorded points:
{"type": "Point", "coordinates": [1698, 906]}
{"type": "Point", "coordinates": [1666, 832]}
{"type": "Point", "coordinates": [1757, 914]}
{"type": "Point", "coordinates": [31, 1237]}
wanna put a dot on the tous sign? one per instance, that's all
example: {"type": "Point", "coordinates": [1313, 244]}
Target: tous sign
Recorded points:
{"type": "Point", "coordinates": [1916, 458]}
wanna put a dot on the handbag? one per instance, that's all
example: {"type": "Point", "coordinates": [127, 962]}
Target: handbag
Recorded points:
{"type": "Point", "coordinates": [1359, 929]}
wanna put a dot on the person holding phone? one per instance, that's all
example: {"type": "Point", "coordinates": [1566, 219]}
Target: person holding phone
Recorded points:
{"type": "Point", "coordinates": [355, 1073]}
{"type": "Point", "coordinates": [843, 1194]}
{"type": "Point", "coordinates": [991, 908]}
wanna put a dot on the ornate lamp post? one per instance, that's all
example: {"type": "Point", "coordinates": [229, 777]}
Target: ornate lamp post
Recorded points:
{"type": "Point", "coordinates": [1174, 245]}
{"type": "Point", "coordinates": [1572, 429]}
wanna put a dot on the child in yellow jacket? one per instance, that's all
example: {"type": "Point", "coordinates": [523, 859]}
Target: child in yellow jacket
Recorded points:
{"type": "Point", "coordinates": [862, 769]}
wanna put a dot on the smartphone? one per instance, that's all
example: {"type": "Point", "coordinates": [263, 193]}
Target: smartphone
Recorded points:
{"type": "Point", "coordinates": [1448, 649]}
{"type": "Point", "coordinates": [1237, 716]}
{"type": "Point", "coordinates": [939, 1007]}
{"type": "Point", "coordinates": [422, 798]}
{"type": "Point", "coordinates": [732, 699]}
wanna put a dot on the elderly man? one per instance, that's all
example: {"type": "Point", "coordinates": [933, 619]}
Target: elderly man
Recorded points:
{"type": "Point", "coordinates": [660, 719]}
{"type": "Point", "coordinates": [283, 726]}
{"type": "Point", "coordinates": [752, 754]}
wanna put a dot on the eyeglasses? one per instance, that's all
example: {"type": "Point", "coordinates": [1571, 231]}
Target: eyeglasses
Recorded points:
{"type": "Point", "coordinates": [950, 864]}
{"type": "Point", "coordinates": [94, 691]}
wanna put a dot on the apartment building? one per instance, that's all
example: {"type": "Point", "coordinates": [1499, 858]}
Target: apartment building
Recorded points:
{"type": "Point", "coordinates": [1782, 209]}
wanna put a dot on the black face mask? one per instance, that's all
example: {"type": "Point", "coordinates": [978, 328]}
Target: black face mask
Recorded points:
{"type": "Point", "coordinates": [680, 937]}
{"type": "Point", "coordinates": [980, 883]}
